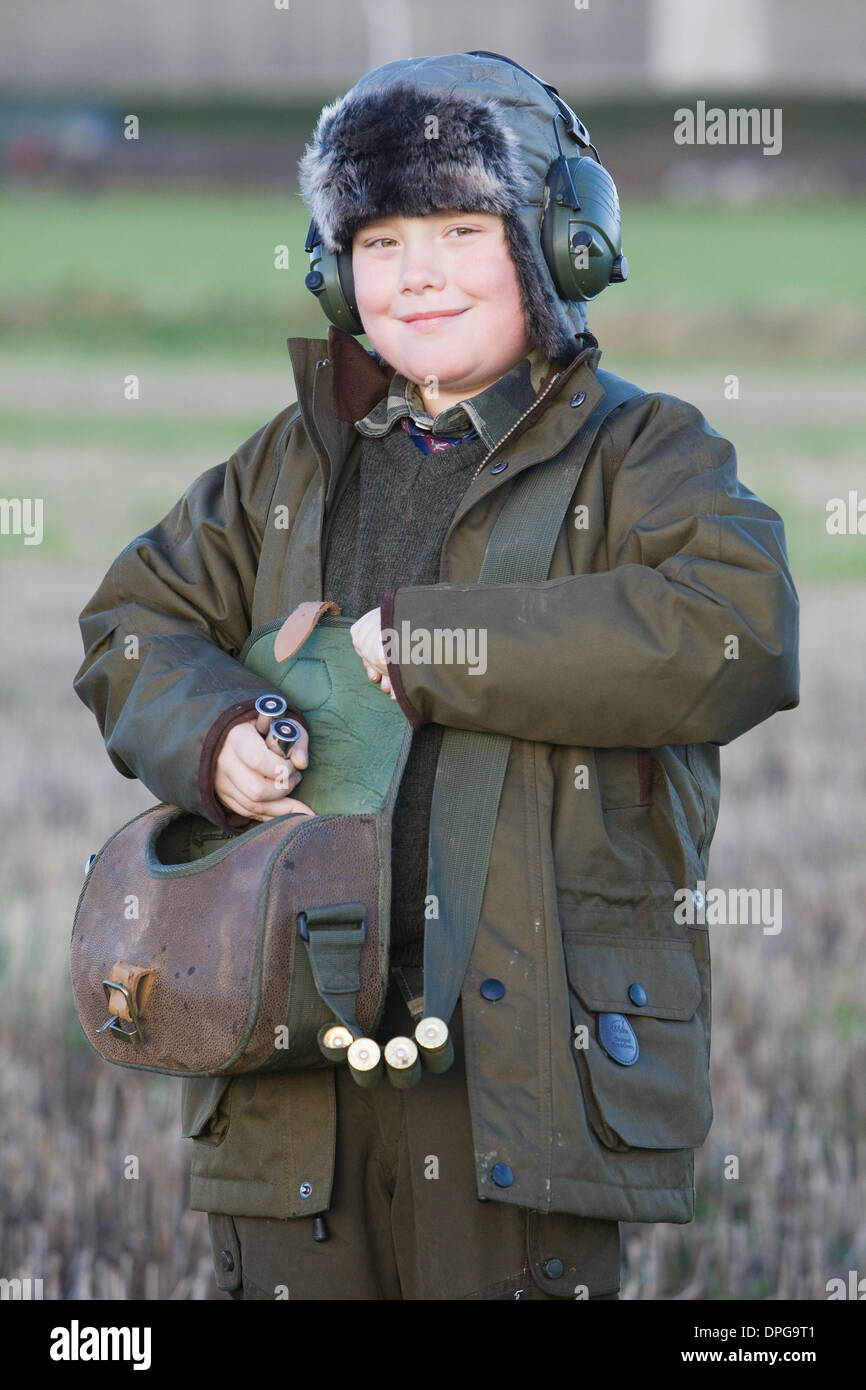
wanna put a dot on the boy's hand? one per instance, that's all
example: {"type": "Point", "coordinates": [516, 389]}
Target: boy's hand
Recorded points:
{"type": "Point", "coordinates": [253, 780]}
{"type": "Point", "coordinates": [367, 637]}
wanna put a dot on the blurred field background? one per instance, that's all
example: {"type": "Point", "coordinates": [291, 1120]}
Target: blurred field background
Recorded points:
{"type": "Point", "coordinates": [171, 276]}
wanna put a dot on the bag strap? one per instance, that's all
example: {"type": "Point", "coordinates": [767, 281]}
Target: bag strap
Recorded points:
{"type": "Point", "coordinates": [334, 937]}
{"type": "Point", "coordinates": [471, 767]}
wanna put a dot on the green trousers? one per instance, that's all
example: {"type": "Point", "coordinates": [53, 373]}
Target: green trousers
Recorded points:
{"type": "Point", "coordinates": [405, 1222]}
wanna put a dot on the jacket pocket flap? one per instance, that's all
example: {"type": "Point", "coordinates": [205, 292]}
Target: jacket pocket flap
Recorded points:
{"type": "Point", "coordinates": [612, 975]}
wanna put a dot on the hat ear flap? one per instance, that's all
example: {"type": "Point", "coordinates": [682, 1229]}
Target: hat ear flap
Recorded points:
{"type": "Point", "coordinates": [547, 323]}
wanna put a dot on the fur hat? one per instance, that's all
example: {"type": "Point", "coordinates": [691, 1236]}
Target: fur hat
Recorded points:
{"type": "Point", "coordinates": [453, 131]}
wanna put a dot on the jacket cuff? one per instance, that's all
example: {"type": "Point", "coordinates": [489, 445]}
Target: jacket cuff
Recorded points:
{"type": "Point", "coordinates": [217, 734]}
{"type": "Point", "coordinates": [387, 609]}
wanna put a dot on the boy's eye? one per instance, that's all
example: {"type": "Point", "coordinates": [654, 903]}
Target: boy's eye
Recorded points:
{"type": "Point", "coordinates": [376, 240]}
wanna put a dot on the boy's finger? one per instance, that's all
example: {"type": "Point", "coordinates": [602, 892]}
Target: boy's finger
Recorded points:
{"type": "Point", "coordinates": [247, 787]}
{"type": "Point", "coordinates": [269, 777]}
{"type": "Point", "coordinates": [298, 752]}
{"type": "Point", "coordinates": [255, 751]}
{"type": "Point", "coordinates": [286, 806]}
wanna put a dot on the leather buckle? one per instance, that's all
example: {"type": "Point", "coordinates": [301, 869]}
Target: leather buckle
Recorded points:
{"type": "Point", "coordinates": [130, 1035]}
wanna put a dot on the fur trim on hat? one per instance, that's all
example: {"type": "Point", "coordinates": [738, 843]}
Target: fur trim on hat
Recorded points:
{"type": "Point", "coordinates": [408, 152]}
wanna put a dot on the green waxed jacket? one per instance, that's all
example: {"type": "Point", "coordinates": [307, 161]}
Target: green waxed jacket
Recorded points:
{"type": "Point", "coordinates": [668, 625]}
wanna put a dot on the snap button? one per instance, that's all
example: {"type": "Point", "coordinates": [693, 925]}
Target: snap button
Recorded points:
{"type": "Point", "coordinates": [492, 989]}
{"type": "Point", "coordinates": [554, 1269]}
{"type": "Point", "coordinates": [498, 467]}
{"type": "Point", "coordinates": [578, 398]}
{"type": "Point", "coordinates": [698, 897]}
{"type": "Point", "coordinates": [306, 1189]}
{"type": "Point", "coordinates": [502, 1175]}
{"type": "Point", "coordinates": [227, 1260]}
{"type": "Point", "coordinates": [637, 994]}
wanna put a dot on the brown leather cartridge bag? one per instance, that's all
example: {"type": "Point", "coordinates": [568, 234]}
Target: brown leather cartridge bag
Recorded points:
{"type": "Point", "coordinates": [199, 952]}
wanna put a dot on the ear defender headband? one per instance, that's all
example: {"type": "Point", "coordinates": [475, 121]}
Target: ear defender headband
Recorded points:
{"type": "Point", "coordinates": [581, 226]}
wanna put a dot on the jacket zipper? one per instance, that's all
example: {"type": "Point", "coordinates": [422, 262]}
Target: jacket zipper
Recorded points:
{"type": "Point", "coordinates": [517, 423]}
{"type": "Point", "coordinates": [538, 399]}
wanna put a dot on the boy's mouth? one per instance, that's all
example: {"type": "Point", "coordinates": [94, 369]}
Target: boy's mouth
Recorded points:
{"type": "Point", "coordinates": [432, 318]}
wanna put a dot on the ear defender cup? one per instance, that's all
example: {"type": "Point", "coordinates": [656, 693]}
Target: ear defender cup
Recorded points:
{"type": "Point", "coordinates": [583, 253]}
{"type": "Point", "coordinates": [331, 280]}
{"type": "Point", "coordinates": [582, 245]}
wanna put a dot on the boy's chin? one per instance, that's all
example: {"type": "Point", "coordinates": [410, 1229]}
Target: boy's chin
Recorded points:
{"type": "Point", "coordinates": [436, 358]}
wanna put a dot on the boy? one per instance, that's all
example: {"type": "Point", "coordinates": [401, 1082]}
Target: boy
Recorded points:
{"type": "Point", "coordinates": [582, 1086]}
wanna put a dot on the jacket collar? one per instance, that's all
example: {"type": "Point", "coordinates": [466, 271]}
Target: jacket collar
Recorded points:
{"type": "Point", "coordinates": [491, 412]}
{"type": "Point", "coordinates": [338, 382]}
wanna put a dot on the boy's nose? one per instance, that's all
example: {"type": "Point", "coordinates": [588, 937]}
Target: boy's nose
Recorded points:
{"type": "Point", "coordinates": [417, 272]}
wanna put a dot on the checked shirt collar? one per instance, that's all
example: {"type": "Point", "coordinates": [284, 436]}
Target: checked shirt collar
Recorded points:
{"type": "Point", "coordinates": [492, 412]}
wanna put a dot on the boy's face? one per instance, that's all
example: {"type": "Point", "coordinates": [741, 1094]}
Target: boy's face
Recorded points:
{"type": "Point", "coordinates": [456, 263]}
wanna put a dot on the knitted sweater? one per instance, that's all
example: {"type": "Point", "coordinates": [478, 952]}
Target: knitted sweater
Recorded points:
{"type": "Point", "coordinates": [386, 529]}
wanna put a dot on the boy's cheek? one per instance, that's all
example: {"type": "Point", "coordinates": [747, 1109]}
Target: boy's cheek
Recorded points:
{"type": "Point", "coordinates": [374, 287]}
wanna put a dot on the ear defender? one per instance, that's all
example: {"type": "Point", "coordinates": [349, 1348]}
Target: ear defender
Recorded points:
{"type": "Point", "coordinates": [580, 240]}
{"type": "Point", "coordinates": [331, 280]}
{"type": "Point", "coordinates": [581, 232]}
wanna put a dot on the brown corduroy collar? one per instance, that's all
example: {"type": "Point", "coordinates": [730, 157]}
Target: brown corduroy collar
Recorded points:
{"type": "Point", "coordinates": [358, 380]}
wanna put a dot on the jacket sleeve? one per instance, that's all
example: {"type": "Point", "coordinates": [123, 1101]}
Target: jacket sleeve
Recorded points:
{"type": "Point", "coordinates": [164, 629]}
{"type": "Point", "coordinates": [690, 635]}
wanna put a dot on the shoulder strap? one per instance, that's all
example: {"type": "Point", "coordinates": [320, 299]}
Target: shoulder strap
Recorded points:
{"type": "Point", "coordinates": [471, 767]}
{"type": "Point", "coordinates": [521, 545]}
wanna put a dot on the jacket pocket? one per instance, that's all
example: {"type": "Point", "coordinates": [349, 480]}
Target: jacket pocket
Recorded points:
{"type": "Point", "coordinates": [262, 1144]}
{"type": "Point", "coordinates": [640, 1012]}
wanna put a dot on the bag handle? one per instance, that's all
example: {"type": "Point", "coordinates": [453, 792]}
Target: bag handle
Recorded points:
{"type": "Point", "coordinates": [471, 767]}
{"type": "Point", "coordinates": [298, 626]}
